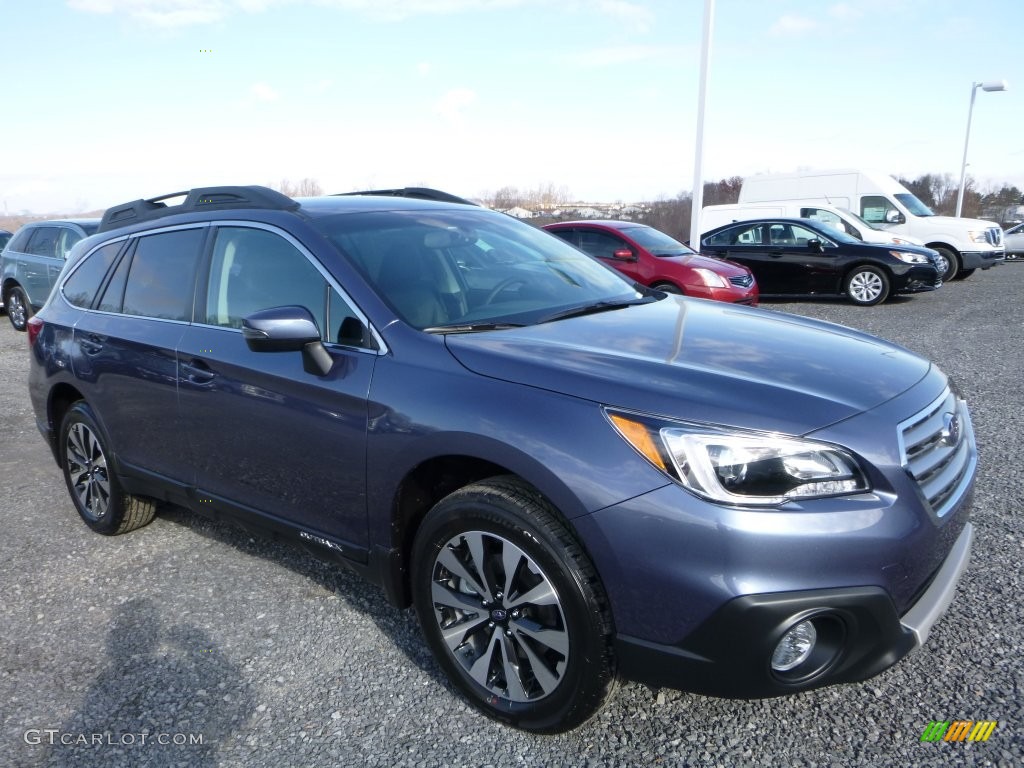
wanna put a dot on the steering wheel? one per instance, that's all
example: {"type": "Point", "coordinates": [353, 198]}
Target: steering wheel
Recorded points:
{"type": "Point", "coordinates": [504, 285]}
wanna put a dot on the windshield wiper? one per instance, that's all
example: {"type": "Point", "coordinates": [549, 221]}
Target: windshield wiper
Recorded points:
{"type": "Point", "coordinates": [597, 306]}
{"type": "Point", "coordinates": [471, 327]}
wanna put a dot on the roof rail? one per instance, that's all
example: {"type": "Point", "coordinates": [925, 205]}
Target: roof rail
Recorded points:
{"type": "Point", "coordinates": [420, 193]}
{"type": "Point", "coordinates": [199, 199]}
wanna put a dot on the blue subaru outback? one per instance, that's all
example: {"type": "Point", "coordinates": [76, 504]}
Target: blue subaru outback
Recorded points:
{"type": "Point", "coordinates": [571, 477]}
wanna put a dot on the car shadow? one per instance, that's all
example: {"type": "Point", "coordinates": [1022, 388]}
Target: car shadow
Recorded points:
{"type": "Point", "coordinates": [400, 626]}
{"type": "Point", "coordinates": [165, 695]}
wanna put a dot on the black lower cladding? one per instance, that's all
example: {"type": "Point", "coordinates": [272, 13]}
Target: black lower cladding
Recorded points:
{"type": "Point", "coordinates": [859, 635]}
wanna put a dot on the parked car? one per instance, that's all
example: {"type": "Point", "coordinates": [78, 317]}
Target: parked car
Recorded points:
{"type": "Point", "coordinates": [800, 256]}
{"type": "Point", "coordinates": [31, 262]}
{"type": "Point", "coordinates": [569, 476]}
{"type": "Point", "coordinates": [964, 244]}
{"type": "Point", "coordinates": [654, 259]}
{"type": "Point", "coordinates": [1014, 239]}
{"type": "Point", "coordinates": [5, 237]}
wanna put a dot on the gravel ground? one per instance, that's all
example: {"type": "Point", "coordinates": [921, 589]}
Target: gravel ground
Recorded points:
{"type": "Point", "coordinates": [190, 629]}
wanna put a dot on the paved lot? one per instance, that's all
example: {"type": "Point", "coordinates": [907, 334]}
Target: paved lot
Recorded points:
{"type": "Point", "coordinates": [189, 629]}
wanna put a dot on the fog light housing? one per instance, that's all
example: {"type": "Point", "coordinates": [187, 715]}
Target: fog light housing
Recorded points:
{"type": "Point", "coordinates": [795, 647]}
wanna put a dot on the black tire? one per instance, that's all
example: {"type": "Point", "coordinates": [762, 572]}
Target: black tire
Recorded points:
{"type": "Point", "coordinates": [867, 286]}
{"type": "Point", "coordinates": [91, 480]}
{"type": "Point", "coordinates": [18, 309]}
{"type": "Point", "coordinates": [952, 262]}
{"type": "Point", "coordinates": [668, 288]}
{"type": "Point", "coordinates": [963, 274]}
{"type": "Point", "coordinates": [458, 577]}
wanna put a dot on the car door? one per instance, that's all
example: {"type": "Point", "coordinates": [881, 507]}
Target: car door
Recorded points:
{"type": "Point", "coordinates": [125, 348]}
{"type": "Point", "coordinates": [36, 263]}
{"type": "Point", "coordinates": [268, 437]}
{"type": "Point", "coordinates": [748, 244]}
{"type": "Point", "coordinates": [604, 245]}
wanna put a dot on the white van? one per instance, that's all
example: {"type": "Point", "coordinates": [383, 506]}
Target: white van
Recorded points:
{"type": "Point", "coordinates": [965, 244]}
{"type": "Point", "coordinates": [845, 221]}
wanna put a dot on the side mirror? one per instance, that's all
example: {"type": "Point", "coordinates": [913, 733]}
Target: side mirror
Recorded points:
{"type": "Point", "coordinates": [892, 216]}
{"type": "Point", "coordinates": [816, 246]}
{"type": "Point", "coordinates": [624, 254]}
{"type": "Point", "coordinates": [288, 329]}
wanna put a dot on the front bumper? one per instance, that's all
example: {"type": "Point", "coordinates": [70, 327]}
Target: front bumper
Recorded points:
{"type": "Point", "coordinates": [981, 259]}
{"type": "Point", "coordinates": [860, 634]}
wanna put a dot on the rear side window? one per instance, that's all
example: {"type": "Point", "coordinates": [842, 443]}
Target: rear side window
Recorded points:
{"type": "Point", "coordinates": [161, 281]}
{"type": "Point", "coordinates": [253, 269]}
{"type": "Point", "coordinates": [66, 239]}
{"type": "Point", "coordinates": [80, 288]}
{"type": "Point", "coordinates": [43, 242]}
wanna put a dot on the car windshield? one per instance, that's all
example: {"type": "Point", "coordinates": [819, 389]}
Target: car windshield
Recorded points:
{"type": "Point", "coordinates": [838, 235]}
{"type": "Point", "coordinates": [656, 242]}
{"type": "Point", "coordinates": [913, 205]}
{"type": "Point", "coordinates": [472, 269]}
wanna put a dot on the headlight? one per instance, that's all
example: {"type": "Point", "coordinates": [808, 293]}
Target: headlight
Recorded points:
{"type": "Point", "coordinates": [709, 278]}
{"type": "Point", "coordinates": [746, 468]}
{"type": "Point", "coordinates": [979, 236]}
{"type": "Point", "coordinates": [911, 258]}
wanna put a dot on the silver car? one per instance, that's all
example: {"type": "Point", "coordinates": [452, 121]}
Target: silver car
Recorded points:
{"type": "Point", "coordinates": [31, 262]}
{"type": "Point", "coordinates": [1014, 239]}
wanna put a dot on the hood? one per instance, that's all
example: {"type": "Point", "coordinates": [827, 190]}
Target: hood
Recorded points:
{"type": "Point", "coordinates": [722, 267]}
{"type": "Point", "coordinates": [702, 361]}
{"type": "Point", "coordinates": [955, 227]}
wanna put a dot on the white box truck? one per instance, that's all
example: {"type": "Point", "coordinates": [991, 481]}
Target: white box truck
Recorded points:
{"type": "Point", "coordinates": [845, 221]}
{"type": "Point", "coordinates": [965, 244]}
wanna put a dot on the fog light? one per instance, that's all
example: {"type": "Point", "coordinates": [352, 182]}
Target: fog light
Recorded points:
{"type": "Point", "coordinates": [794, 647]}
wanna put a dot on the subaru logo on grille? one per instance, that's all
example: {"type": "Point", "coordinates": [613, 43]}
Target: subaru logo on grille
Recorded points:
{"type": "Point", "coordinates": [950, 429]}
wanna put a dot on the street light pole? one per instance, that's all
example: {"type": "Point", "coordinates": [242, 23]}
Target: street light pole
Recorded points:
{"type": "Point", "coordinates": [702, 97]}
{"type": "Point", "coordinates": [991, 85]}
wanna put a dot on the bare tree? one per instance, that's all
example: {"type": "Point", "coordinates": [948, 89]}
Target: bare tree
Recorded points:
{"type": "Point", "coordinates": [307, 187]}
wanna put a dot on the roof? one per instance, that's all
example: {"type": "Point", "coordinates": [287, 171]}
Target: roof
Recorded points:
{"type": "Point", "coordinates": [609, 223]}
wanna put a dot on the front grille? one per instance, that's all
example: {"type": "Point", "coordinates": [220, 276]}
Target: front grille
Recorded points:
{"type": "Point", "coordinates": [743, 281]}
{"type": "Point", "coordinates": [937, 449]}
{"type": "Point", "coordinates": [995, 235]}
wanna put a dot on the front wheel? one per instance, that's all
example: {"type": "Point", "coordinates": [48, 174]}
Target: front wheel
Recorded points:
{"type": "Point", "coordinates": [18, 308]}
{"type": "Point", "coordinates": [949, 264]}
{"type": "Point", "coordinates": [668, 288]}
{"type": "Point", "coordinates": [92, 483]}
{"type": "Point", "coordinates": [512, 607]}
{"type": "Point", "coordinates": [867, 286]}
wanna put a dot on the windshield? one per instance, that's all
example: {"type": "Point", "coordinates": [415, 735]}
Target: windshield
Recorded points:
{"type": "Point", "coordinates": [470, 268]}
{"type": "Point", "coordinates": [656, 242]}
{"type": "Point", "coordinates": [913, 205]}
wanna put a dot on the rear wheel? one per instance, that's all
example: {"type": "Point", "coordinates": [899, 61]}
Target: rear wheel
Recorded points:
{"type": "Point", "coordinates": [91, 481]}
{"type": "Point", "coordinates": [867, 286]}
{"type": "Point", "coordinates": [18, 308]}
{"type": "Point", "coordinates": [512, 607]}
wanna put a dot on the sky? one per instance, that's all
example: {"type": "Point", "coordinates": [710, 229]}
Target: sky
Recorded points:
{"type": "Point", "coordinates": [112, 100]}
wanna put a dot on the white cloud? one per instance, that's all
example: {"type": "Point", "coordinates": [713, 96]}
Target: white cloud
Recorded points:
{"type": "Point", "coordinates": [791, 25]}
{"type": "Point", "coordinates": [450, 106]}
{"type": "Point", "coordinates": [623, 54]}
{"type": "Point", "coordinates": [158, 13]}
{"type": "Point", "coordinates": [845, 12]}
{"type": "Point", "coordinates": [264, 92]}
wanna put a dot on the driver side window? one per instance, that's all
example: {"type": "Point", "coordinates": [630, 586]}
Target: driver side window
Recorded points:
{"type": "Point", "coordinates": [874, 208]}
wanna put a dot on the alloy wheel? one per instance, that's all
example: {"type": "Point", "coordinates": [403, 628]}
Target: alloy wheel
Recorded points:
{"type": "Point", "coordinates": [16, 310]}
{"type": "Point", "coordinates": [500, 616]}
{"type": "Point", "coordinates": [865, 287]}
{"type": "Point", "coordinates": [87, 469]}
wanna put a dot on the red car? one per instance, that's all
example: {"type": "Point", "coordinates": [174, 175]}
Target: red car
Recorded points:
{"type": "Point", "coordinates": [654, 259]}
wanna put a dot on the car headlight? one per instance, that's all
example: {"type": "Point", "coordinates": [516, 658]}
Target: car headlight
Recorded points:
{"type": "Point", "coordinates": [745, 468]}
{"type": "Point", "coordinates": [911, 258]}
{"type": "Point", "coordinates": [978, 236]}
{"type": "Point", "coordinates": [709, 277]}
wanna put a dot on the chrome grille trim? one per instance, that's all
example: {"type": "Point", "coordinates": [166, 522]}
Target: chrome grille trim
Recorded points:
{"type": "Point", "coordinates": [943, 472]}
{"type": "Point", "coordinates": [744, 281]}
{"type": "Point", "coordinates": [995, 235]}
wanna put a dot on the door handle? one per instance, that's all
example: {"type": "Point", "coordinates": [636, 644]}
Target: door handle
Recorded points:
{"type": "Point", "coordinates": [197, 372]}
